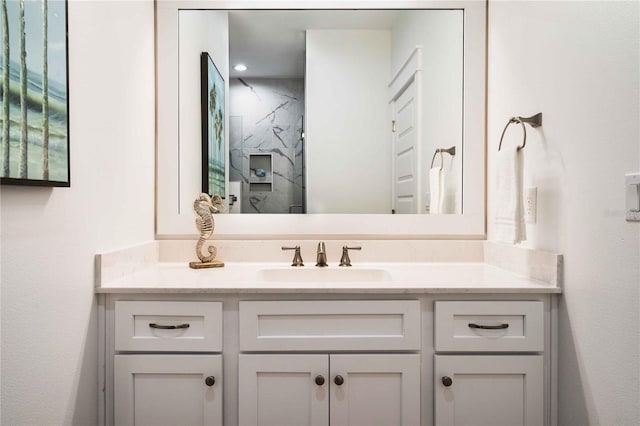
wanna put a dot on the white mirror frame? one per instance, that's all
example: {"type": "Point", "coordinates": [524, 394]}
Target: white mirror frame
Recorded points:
{"type": "Point", "coordinates": [173, 222]}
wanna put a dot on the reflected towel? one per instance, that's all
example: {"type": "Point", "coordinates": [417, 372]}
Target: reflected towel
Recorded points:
{"type": "Point", "coordinates": [510, 226]}
{"type": "Point", "coordinates": [436, 186]}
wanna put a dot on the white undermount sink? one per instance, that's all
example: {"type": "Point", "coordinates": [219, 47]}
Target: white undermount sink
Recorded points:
{"type": "Point", "coordinates": [327, 274]}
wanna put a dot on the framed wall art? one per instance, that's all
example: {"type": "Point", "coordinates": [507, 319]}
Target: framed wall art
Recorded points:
{"type": "Point", "coordinates": [34, 115]}
{"type": "Point", "coordinates": [213, 139]}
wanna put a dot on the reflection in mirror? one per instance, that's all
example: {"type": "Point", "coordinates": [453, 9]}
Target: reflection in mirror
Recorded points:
{"type": "Point", "coordinates": [343, 111]}
{"type": "Point", "coordinates": [333, 119]}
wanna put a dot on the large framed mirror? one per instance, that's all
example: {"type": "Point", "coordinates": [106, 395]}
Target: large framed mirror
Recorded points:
{"type": "Point", "coordinates": [360, 119]}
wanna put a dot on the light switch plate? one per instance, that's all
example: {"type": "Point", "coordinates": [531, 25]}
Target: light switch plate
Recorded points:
{"type": "Point", "coordinates": [632, 191]}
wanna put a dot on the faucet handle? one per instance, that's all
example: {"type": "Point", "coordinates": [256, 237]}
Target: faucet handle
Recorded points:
{"type": "Point", "coordinates": [345, 260]}
{"type": "Point", "coordinates": [297, 258]}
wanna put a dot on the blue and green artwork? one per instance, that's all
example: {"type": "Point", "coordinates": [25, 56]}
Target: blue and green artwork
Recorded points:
{"type": "Point", "coordinates": [213, 143]}
{"type": "Point", "coordinates": [34, 93]}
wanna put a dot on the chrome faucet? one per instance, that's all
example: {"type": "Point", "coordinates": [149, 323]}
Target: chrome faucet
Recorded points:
{"type": "Point", "coordinates": [344, 260]}
{"type": "Point", "coordinates": [321, 259]}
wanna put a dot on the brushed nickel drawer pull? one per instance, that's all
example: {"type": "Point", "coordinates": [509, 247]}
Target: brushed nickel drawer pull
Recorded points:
{"type": "Point", "coordinates": [489, 327]}
{"type": "Point", "coordinates": [168, 327]}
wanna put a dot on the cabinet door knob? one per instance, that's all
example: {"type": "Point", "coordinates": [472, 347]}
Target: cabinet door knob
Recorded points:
{"type": "Point", "coordinates": [210, 381]}
{"type": "Point", "coordinates": [319, 380]}
{"type": "Point", "coordinates": [447, 381]}
{"type": "Point", "coordinates": [339, 380]}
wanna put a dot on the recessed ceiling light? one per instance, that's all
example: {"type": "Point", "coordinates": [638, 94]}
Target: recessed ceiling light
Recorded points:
{"type": "Point", "coordinates": [240, 67]}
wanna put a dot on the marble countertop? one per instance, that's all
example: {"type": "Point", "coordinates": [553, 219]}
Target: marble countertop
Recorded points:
{"type": "Point", "coordinates": [393, 277]}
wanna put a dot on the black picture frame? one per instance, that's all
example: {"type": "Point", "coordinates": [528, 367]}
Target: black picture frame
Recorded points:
{"type": "Point", "coordinates": [39, 156]}
{"type": "Point", "coordinates": [212, 106]}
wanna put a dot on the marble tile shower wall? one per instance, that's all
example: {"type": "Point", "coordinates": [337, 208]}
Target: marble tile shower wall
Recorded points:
{"type": "Point", "coordinates": [266, 118]}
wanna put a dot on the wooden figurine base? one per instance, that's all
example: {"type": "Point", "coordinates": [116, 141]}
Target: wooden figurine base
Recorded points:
{"type": "Point", "coordinates": [202, 265]}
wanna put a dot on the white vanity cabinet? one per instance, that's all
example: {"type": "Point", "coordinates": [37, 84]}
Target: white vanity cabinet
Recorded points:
{"type": "Point", "coordinates": [489, 363]}
{"type": "Point", "coordinates": [167, 363]}
{"type": "Point", "coordinates": [391, 353]}
{"type": "Point", "coordinates": [360, 387]}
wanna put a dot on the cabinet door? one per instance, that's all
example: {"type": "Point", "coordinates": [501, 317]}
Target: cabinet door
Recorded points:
{"type": "Point", "coordinates": [487, 390]}
{"type": "Point", "coordinates": [281, 390]}
{"type": "Point", "coordinates": [167, 390]}
{"type": "Point", "coordinates": [375, 390]}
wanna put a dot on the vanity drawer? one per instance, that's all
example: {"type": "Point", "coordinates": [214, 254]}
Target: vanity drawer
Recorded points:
{"type": "Point", "coordinates": [168, 326]}
{"type": "Point", "coordinates": [390, 325]}
{"type": "Point", "coordinates": [484, 326]}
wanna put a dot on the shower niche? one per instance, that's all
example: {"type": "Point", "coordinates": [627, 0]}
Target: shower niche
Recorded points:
{"type": "Point", "coordinates": [260, 173]}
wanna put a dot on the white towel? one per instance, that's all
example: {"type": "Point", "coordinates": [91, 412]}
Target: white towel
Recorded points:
{"type": "Point", "coordinates": [436, 186]}
{"type": "Point", "coordinates": [510, 226]}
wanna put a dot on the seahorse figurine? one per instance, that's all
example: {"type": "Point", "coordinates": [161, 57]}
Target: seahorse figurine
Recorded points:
{"type": "Point", "coordinates": [205, 207]}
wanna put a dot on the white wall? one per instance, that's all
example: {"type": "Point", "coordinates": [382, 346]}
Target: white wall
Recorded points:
{"type": "Point", "coordinates": [578, 63]}
{"type": "Point", "coordinates": [440, 33]}
{"type": "Point", "coordinates": [348, 121]}
{"type": "Point", "coordinates": [50, 236]}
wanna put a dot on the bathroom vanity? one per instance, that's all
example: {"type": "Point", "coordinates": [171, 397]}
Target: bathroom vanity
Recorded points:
{"type": "Point", "coordinates": [406, 343]}
{"type": "Point", "coordinates": [431, 326]}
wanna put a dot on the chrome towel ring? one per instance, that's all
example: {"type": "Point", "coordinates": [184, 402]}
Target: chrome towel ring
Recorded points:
{"type": "Point", "coordinates": [533, 121]}
{"type": "Point", "coordinates": [451, 151]}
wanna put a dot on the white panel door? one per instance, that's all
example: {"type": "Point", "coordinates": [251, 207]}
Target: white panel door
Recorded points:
{"type": "Point", "coordinates": [283, 390]}
{"type": "Point", "coordinates": [405, 153]}
{"type": "Point", "coordinates": [488, 390]}
{"type": "Point", "coordinates": [164, 390]}
{"type": "Point", "coordinates": [375, 390]}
